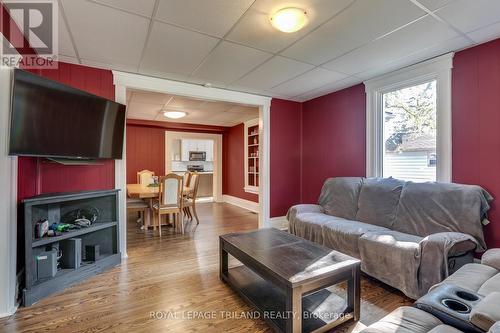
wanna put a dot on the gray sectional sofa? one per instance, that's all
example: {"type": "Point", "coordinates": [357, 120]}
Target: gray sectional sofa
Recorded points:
{"type": "Point", "coordinates": [408, 235]}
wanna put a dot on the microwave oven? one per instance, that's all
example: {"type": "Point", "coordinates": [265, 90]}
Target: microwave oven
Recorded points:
{"type": "Point", "coordinates": [197, 156]}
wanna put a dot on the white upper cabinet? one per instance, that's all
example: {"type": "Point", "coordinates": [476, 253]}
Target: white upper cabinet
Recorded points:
{"type": "Point", "coordinates": [197, 145]}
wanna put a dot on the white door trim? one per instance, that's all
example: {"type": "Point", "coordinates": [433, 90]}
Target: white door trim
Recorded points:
{"type": "Point", "coordinates": [217, 139]}
{"type": "Point", "coordinates": [124, 81]}
{"type": "Point", "coordinates": [8, 202]}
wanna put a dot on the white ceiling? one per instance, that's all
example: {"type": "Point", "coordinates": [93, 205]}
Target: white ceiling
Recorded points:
{"type": "Point", "coordinates": [230, 43]}
{"type": "Point", "coordinates": [150, 106]}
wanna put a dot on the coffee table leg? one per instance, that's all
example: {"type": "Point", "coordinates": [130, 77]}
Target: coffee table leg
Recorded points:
{"type": "Point", "coordinates": [354, 292]}
{"type": "Point", "coordinates": [223, 262]}
{"type": "Point", "coordinates": [293, 307]}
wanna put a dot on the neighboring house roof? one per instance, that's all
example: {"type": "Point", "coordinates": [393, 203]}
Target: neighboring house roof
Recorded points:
{"type": "Point", "coordinates": [418, 143]}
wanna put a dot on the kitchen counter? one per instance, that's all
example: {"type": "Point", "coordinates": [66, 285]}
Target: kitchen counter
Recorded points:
{"type": "Point", "coordinates": [200, 172]}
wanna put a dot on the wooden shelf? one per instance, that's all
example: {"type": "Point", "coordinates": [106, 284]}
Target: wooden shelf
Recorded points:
{"type": "Point", "coordinates": [253, 145]}
{"type": "Point", "coordinates": [70, 234]}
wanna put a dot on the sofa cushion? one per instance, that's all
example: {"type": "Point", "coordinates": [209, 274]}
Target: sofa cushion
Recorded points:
{"type": "Point", "coordinates": [404, 320]}
{"type": "Point", "coordinates": [490, 286]}
{"type": "Point", "coordinates": [470, 276]}
{"type": "Point", "coordinates": [378, 201]}
{"type": "Point", "coordinates": [491, 258]}
{"type": "Point", "coordinates": [428, 208]}
{"type": "Point", "coordinates": [339, 196]}
{"type": "Point", "coordinates": [343, 235]}
{"type": "Point", "coordinates": [310, 225]}
{"type": "Point", "coordinates": [382, 251]}
{"type": "Point", "coordinates": [444, 329]}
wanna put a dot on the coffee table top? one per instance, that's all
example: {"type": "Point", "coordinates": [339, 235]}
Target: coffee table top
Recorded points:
{"type": "Point", "coordinates": [292, 259]}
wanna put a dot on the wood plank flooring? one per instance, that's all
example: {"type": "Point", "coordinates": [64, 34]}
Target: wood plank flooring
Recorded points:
{"type": "Point", "coordinates": [172, 285]}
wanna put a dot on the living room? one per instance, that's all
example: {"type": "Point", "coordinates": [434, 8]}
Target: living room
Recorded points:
{"type": "Point", "coordinates": [375, 160]}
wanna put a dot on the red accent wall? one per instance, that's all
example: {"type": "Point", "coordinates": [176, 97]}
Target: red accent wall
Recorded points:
{"type": "Point", "coordinates": [476, 123]}
{"type": "Point", "coordinates": [285, 155]}
{"type": "Point", "coordinates": [233, 168]}
{"type": "Point", "coordinates": [37, 175]}
{"type": "Point", "coordinates": [145, 150]}
{"type": "Point", "coordinates": [146, 144]}
{"type": "Point", "coordinates": [333, 139]}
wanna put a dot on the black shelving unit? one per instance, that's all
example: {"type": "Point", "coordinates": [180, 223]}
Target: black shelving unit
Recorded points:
{"type": "Point", "coordinates": [104, 232]}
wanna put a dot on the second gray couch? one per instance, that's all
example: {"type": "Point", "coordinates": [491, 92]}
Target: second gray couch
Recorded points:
{"type": "Point", "coordinates": [405, 233]}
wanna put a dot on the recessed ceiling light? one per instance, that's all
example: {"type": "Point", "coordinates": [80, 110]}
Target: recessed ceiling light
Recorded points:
{"type": "Point", "coordinates": [289, 19]}
{"type": "Point", "coordinates": [174, 114]}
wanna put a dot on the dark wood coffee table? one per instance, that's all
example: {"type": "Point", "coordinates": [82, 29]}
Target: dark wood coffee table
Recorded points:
{"type": "Point", "coordinates": [284, 277]}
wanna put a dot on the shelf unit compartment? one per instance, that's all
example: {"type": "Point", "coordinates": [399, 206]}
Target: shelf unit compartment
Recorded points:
{"type": "Point", "coordinates": [252, 147]}
{"type": "Point", "coordinates": [104, 232]}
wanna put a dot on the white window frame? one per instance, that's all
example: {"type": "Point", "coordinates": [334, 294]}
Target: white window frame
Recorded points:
{"type": "Point", "coordinates": [438, 69]}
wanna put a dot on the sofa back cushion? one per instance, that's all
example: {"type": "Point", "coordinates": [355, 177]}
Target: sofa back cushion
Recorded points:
{"type": "Point", "coordinates": [428, 208]}
{"type": "Point", "coordinates": [378, 201]}
{"type": "Point", "coordinates": [339, 196]}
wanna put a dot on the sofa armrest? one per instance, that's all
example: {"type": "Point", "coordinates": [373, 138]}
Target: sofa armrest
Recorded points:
{"type": "Point", "coordinates": [451, 243]}
{"type": "Point", "coordinates": [435, 251]}
{"type": "Point", "coordinates": [491, 258]}
{"type": "Point", "coordinates": [303, 208]}
{"type": "Point", "coordinates": [487, 312]}
{"type": "Point", "coordinates": [495, 328]}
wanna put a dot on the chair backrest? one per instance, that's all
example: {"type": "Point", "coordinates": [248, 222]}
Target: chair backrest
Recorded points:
{"type": "Point", "coordinates": [194, 181]}
{"type": "Point", "coordinates": [171, 190]}
{"type": "Point", "coordinates": [187, 178]}
{"type": "Point", "coordinates": [145, 177]}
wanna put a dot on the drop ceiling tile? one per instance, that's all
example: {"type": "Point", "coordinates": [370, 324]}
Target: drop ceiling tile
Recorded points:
{"type": "Point", "coordinates": [150, 97]}
{"type": "Point", "coordinates": [273, 72]}
{"type": "Point", "coordinates": [65, 46]}
{"type": "Point", "coordinates": [485, 34]}
{"type": "Point", "coordinates": [434, 4]}
{"type": "Point", "coordinates": [443, 47]}
{"type": "Point", "coordinates": [229, 61]}
{"type": "Point", "coordinates": [313, 79]}
{"type": "Point", "coordinates": [143, 109]}
{"type": "Point", "coordinates": [98, 40]}
{"type": "Point", "coordinates": [469, 15]}
{"type": "Point", "coordinates": [255, 29]}
{"type": "Point", "coordinates": [329, 88]}
{"type": "Point", "coordinates": [185, 103]}
{"type": "Point", "coordinates": [362, 22]}
{"type": "Point", "coordinates": [175, 50]}
{"type": "Point", "coordinates": [410, 39]}
{"type": "Point", "coordinates": [215, 106]}
{"type": "Point", "coordinates": [213, 17]}
{"type": "Point", "coordinates": [142, 7]}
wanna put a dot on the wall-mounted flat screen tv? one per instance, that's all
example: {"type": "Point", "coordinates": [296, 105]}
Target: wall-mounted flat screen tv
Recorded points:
{"type": "Point", "coordinates": [50, 119]}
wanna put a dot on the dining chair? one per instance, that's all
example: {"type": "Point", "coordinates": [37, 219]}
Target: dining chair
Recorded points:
{"type": "Point", "coordinates": [191, 195]}
{"type": "Point", "coordinates": [170, 200]}
{"type": "Point", "coordinates": [145, 177]}
{"type": "Point", "coordinates": [138, 206]}
{"type": "Point", "coordinates": [187, 178]}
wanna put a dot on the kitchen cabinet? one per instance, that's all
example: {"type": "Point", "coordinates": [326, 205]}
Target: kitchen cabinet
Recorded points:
{"type": "Point", "coordinates": [188, 145]}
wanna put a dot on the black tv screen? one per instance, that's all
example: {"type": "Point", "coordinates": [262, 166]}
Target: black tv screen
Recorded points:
{"type": "Point", "coordinates": [50, 119]}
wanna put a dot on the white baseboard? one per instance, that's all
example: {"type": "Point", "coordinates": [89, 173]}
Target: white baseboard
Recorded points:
{"type": "Point", "coordinates": [243, 203]}
{"type": "Point", "coordinates": [279, 222]}
{"type": "Point", "coordinates": [10, 313]}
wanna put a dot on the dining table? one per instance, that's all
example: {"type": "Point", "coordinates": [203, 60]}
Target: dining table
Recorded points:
{"type": "Point", "coordinates": [147, 193]}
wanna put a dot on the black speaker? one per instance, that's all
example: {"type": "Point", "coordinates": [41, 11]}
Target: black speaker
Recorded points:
{"type": "Point", "coordinates": [92, 252]}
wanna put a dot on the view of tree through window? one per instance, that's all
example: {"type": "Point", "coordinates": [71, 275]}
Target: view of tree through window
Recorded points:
{"type": "Point", "coordinates": [410, 133]}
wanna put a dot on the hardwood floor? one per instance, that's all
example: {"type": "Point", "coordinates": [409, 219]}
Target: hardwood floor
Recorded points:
{"type": "Point", "coordinates": [172, 285]}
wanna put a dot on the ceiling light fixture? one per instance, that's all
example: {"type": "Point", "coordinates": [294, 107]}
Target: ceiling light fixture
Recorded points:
{"type": "Point", "coordinates": [174, 114]}
{"type": "Point", "coordinates": [289, 19]}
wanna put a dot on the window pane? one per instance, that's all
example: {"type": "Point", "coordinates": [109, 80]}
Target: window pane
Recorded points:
{"type": "Point", "coordinates": [410, 133]}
